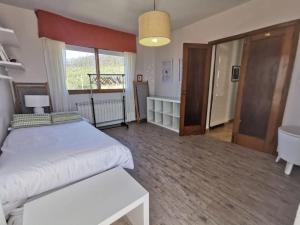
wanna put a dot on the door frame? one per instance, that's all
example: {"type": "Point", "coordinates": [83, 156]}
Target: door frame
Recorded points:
{"type": "Point", "coordinates": [212, 87]}
{"type": "Point", "coordinates": [257, 31]}
{"type": "Point", "coordinates": [194, 129]}
{"type": "Point", "coordinates": [244, 35]}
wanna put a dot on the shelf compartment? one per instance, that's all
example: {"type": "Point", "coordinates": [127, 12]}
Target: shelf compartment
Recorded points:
{"type": "Point", "coordinates": [150, 116]}
{"type": "Point", "coordinates": [158, 118]}
{"type": "Point", "coordinates": [176, 123]}
{"type": "Point", "coordinates": [167, 121]}
{"type": "Point", "coordinates": [150, 104]}
{"type": "Point", "coordinates": [168, 108]}
{"type": "Point", "coordinates": [158, 106]}
{"type": "Point", "coordinates": [176, 109]}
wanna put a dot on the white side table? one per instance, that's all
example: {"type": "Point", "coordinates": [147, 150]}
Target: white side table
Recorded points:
{"type": "Point", "coordinates": [99, 200]}
{"type": "Point", "coordinates": [289, 146]}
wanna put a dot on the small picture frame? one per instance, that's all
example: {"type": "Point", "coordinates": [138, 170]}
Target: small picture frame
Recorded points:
{"type": "Point", "coordinates": [139, 78]}
{"type": "Point", "coordinates": [235, 74]}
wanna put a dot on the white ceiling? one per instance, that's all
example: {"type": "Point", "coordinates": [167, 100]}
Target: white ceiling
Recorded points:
{"type": "Point", "coordinates": [123, 14]}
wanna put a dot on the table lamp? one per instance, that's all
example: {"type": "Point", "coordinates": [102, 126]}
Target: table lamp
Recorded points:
{"type": "Point", "coordinates": [37, 102]}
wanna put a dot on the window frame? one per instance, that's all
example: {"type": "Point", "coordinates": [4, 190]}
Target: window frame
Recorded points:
{"type": "Point", "coordinates": [98, 90]}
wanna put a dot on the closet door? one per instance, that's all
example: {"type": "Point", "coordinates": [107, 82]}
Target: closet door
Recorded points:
{"type": "Point", "coordinates": [194, 88]}
{"type": "Point", "coordinates": [265, 75]}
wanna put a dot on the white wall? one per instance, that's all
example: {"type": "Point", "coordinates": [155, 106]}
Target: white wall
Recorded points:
{"type": "Point", "coordinates": [24, 23]}
{"type": "Point", "coordinates": [292, 111]}
{"type": "Point", "coordinates": [6, 106]}
{"type": "Point", "coordinates": [145, 64]}
{"type": "Point", "coordinates": [249, 16]}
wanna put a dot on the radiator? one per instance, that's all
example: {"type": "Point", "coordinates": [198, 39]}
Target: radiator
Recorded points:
{"type": "Point", "coordinates": [107, 112]}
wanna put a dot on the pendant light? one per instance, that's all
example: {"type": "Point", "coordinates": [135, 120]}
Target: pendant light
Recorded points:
{"type": "Point", "coordinates": [154, 28]}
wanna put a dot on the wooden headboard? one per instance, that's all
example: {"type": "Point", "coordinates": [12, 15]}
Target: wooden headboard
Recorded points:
{"type": "Point", "coordinates": [22, 89]}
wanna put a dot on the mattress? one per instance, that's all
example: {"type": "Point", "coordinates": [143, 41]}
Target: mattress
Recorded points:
{"type": "Point", "coordinates": [40, 159]}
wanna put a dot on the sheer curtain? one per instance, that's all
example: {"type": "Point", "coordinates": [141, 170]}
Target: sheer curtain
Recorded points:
{"type": "Point", "coordinates": [55, 63]}
{"type": "Point", "coordinates": [130, 59]}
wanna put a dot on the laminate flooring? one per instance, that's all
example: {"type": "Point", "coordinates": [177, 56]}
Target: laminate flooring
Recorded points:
{"type": "Point", "coordinates": [223, 133]}
{"type": "Point", "coordinates": [198, 180]}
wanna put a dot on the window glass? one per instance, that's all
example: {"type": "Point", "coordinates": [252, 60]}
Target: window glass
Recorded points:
{"type": "Point", "coordinates": [111, 70]}
{"type": "Point", "coordinates": [81, 61]}
{"type": "Point", "coordinates": [78, 65]}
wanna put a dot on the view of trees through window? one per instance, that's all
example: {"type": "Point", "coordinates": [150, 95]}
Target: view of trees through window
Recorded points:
{"type": "Point", "coordinates": [80, 63]}
{"type": "Point", "coordinates": [111, 71]}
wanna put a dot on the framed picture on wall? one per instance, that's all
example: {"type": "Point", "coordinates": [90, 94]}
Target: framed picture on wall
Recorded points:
{"type": "Point", "coordinates": [139, 78]}
{"type": "Point", "coordinates": [167, 70]}
{"type": "Point", "coordinates": [235, 74]}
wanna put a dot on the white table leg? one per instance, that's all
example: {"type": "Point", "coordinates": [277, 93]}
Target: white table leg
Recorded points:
{"type": "Point", "coordinates": [146, 211]}
{"type": "Point", "coordinates": [277, 159]}
{"type": "Point", "coordinates": [288, 168]}
{"type": "Point", "coordinates": [140, 215]}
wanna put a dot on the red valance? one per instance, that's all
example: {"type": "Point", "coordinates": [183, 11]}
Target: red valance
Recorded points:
{"type": "Point", "coordinates": [77, 33]}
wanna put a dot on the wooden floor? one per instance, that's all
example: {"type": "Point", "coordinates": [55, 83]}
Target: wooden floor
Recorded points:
{"type": "Point", "coordinates": [223, 133]}
{"type": "Point", "coordinates": [199, 180]}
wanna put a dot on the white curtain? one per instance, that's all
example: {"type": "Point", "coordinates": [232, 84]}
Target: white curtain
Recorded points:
{"type": "Point", "coordinates": [55, 63]}
{"type": "Point", "coordinates": [130, 59]}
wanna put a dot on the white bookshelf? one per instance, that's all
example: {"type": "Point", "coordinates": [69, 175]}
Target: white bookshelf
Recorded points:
{"type": "Point", "coordinates": [8, 37]}
{"type": "Point", "coordinates": [164, 112]}
{"type": "Point", "coordinates": [5, 77]}
{"type": "Point", "coordinates": [11, 65]}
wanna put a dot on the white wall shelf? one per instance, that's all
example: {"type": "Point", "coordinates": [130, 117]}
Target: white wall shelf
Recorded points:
{"type": "Point", "coordinates": [5, 77]}
{"type": "Point", "coordinates": [8, 37]}
{"type": "Point", "coordinates": [12, 65]}
{"type": "Point", "coordinates": [164, 112]}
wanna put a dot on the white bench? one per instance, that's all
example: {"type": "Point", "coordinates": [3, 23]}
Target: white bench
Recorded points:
{"type": "Point", "coordinates": [289, 146]}
{"type": "Point", "coordinates": [99, 200]}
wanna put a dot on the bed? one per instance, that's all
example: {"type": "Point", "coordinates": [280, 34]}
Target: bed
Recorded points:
{"type": "Point", "coordinates": [37, 160]}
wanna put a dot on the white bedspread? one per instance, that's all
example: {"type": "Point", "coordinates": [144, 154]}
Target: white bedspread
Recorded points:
{"type": "Point", "coordinates": [36, 160]}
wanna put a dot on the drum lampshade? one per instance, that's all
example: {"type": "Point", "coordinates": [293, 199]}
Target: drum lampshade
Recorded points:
{"type": "Point", "coordinates": [154, 29]}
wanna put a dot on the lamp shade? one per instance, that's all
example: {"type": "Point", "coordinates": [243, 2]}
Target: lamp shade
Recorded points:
{"type": "Point", "coordinates": [36, 100]}
{"type": "Point", "coordinates": [154, 29]}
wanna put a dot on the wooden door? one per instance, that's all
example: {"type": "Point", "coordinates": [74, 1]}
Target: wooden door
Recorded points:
{"type": "Point", "coordinates": [265, 76]}
{"type": "Point", "coordinates": [194, 88]}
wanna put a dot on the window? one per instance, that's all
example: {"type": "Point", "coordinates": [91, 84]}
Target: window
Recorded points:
{"type": "Point", "coordinates": [78, 64]}
{"type": "Point", "coordinates": [111, 70]}
{"type": "Point", "coordinates": [109, 67]}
